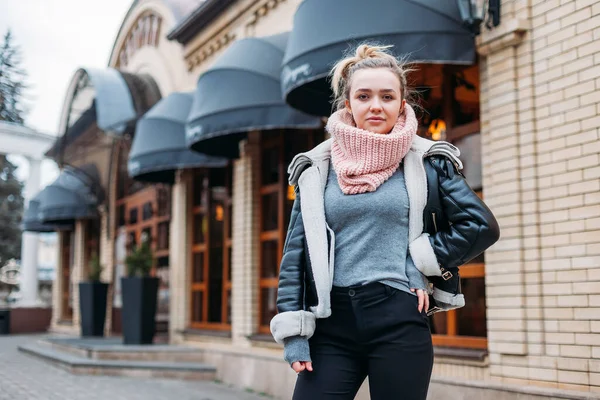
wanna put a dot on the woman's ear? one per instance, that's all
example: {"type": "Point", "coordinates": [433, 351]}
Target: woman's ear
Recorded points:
{"type": "Point", "coordinates": [402, 105]}
{"type": "Point", "coordinates": [347, 104]}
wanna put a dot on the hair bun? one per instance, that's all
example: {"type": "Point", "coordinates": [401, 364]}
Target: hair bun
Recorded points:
{"type": "Point", "coordinates": [364, 51]}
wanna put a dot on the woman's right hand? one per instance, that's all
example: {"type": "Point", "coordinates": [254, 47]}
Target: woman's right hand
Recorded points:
{"type": "Point", "coordinates": [300, 366]}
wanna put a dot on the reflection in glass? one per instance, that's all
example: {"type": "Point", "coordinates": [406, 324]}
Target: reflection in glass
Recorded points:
{"type": "Point", "coordinates": [197, 303]}
{"type": "Point", "coordinates": [229, 306]}
{"type": "Point", "coordinates": [270, 212]}
{"type": "Point", "coordinates": [470, 155]}
{"type": "Point", "coordinates": [268, 305]}
{"type": "Point", "coordinates": [229, 221]}
{"type": "Point", "coordinates": [270, 165]}
{"type": "Point", "coordinates": [133, 216]}
{"type": "Point", "coordinates": [198, 190]}
{"type": "Point", "coordinates": [269, 267]}
{"type": "Point", "coordinates": [146, 211]}
{"type": "Point", "coordinates": [163, 236]}
{"type": "Point", "coordinates": [215, 286]}
{"type": "Point", "coordinates": [229, 264]}
{"type": "Point", "coordinates": [198, 268]}
{"type": "Point", "coordinates": [438, 323]}
{"type": "Point", "coordinates": [216, 224]}
{"type": "Point", "coordinates": [199, 229]}
{"type": "Point", "coordinates": [471, 319]}
{"type": "Point", "coordinates": [121, 216]}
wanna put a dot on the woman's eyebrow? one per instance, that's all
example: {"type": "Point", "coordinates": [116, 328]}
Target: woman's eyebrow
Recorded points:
{"type": "Point", "coordinates": [370, 90]}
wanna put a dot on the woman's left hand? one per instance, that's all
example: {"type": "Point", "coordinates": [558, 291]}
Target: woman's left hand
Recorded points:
{"type": "Point", "coordinates": [423, 299]}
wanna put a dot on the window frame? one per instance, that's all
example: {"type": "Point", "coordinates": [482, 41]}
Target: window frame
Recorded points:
{"type": "Point", "coordinates": [204, 208]}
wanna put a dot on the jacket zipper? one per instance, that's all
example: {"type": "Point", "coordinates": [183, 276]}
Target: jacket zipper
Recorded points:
{"type": "Point", "coordinates": [434, 222]}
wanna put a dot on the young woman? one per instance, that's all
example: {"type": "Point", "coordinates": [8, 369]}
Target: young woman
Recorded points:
{"type": "Point", "coordinates": [352, 296]}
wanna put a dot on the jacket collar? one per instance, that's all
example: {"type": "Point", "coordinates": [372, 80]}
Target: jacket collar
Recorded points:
{"type": "Point", "coordinates": [322, 152]}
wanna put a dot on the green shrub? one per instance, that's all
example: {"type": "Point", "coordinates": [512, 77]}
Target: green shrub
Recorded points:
{"type": "Point", "coordinates": [95, 268]}
{"type": "Point", "coordinates": [139, 260]}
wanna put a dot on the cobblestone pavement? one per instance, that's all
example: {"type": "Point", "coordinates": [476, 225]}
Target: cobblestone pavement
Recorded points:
{"type": "Point", "coordinates": [23, 377]}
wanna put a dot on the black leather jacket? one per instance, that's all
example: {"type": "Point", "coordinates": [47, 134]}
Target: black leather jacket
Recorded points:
{"type": "Point", "coordinates": [460, 225]}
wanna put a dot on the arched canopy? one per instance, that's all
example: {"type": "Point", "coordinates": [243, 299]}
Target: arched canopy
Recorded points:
{"type": "Point", "coordinates": [159, 148]}
{"type": "Point", "coordinates": [32, 223]}
{"type": "Point", "coordinates": [241, 92]}
{"type": "Point", "coordinates": [119, 98]}
{"type": "Point", "coordinates": [426, 31]}
{"type": "Point", "coordinates": [74, 195]}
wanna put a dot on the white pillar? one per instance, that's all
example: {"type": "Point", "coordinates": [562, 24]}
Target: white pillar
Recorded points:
{"type": "Point", "coordinates": [29, 244]}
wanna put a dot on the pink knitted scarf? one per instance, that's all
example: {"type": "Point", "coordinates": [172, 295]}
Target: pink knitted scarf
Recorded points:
{"type": "Point", "coordinates": [363, 160]}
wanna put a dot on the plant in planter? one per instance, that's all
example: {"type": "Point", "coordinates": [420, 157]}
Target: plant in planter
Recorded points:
{"type": "Point", "coordinates": [139, 292]}
{"type": "Point", "coordinates": [92, 300]}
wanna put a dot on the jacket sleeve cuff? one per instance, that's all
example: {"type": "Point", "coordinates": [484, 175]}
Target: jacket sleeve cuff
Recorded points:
{"type": "Point", "coordinates": [424, 257]}
{"type": "Point", "coordinates": [296, 348]}
{"type": "Point", "coordinates": [293, 323]}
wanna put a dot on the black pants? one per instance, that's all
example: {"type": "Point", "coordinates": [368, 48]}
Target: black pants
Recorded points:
{"type": "Point", "coordinates": [375, 331]}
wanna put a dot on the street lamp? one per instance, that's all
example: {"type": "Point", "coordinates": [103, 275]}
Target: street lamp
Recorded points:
{"type": "Point", "coordinates": [474, 12]}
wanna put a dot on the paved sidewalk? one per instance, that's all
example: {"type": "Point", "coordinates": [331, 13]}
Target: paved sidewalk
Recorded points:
{"type": "Point", "coordinates": [25, 378]}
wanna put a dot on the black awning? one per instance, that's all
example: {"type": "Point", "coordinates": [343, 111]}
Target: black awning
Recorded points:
{"type": "Point", "coordinates": [241, 92]}
{"type": "Point", "coordinates": [32, 223]}
{"type": "Point", "coordinates": [159, 148]}
{"type": "Point", "coordinates": [426, 31]}
{"type": "Point", "coordinates": [74, 195]}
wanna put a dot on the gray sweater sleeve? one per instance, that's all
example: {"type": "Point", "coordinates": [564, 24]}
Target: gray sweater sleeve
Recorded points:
{"type": "Point", "coordinates": [415, 278]}
{"type": "Point", "coordinates": [295, 348]}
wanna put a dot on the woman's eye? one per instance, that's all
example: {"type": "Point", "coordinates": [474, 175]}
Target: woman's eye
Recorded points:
{"type": "Point", "coordinates": [388, 97]}
{"type": "Point", "coordinates": [362, 97]}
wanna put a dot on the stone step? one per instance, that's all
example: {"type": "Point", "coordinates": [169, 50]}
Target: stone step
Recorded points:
{"type": "Point", "coordinates": [114, 349]}
{"type": "Point", "coordinates": [145, 369]}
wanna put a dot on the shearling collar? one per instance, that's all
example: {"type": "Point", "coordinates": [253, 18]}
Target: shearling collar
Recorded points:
{"type": "Point", "coordinates": [322, 152]}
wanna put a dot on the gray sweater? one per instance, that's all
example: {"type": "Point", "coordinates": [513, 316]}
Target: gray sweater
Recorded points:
{"type": "Point", "coordinates": [371, 243]}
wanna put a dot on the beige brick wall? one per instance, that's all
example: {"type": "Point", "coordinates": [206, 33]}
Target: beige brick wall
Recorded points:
{"type": "Point", "coordinates": [541, 150]}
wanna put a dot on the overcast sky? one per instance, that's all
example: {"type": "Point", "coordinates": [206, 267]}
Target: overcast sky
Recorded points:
{"type": "Point", "coordinates": [57, 37]}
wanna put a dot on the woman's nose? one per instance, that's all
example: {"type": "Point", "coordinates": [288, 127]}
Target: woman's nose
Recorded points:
{"type": "Point", "coordinates": [375, 105]}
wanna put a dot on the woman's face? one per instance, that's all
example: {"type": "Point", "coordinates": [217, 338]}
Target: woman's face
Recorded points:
{"type": "Point", "coordinates": [375, 99]}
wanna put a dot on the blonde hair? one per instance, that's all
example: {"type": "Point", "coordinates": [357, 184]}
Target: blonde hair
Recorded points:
{"type": "Point", "coordinates": [366, 56]}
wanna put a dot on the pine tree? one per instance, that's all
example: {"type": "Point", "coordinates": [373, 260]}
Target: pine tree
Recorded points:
{"type": "Point", "coordinates": [11, 210]}
{"type": "Point", "coordinates": [12, 84]}
{"type": "Point", "coordinates": [12, 81]}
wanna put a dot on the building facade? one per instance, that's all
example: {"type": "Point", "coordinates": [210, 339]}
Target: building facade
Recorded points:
{"type": "Point", "coordinates": [524, 113]}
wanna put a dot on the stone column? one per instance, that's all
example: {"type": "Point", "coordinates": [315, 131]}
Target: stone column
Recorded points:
{"type": "Point", "coordinates": [29, 246]}
{"type": "Point", "coordinates": [179, 255]}
{"type": "Point", "coordinates": [245, 242]}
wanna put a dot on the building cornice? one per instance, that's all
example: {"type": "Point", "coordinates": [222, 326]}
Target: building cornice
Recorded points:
{"type": "Point", "coordinates": [208, 49]}
{"type": "Point", "coordinates": [198, 20]}
{"type": "Point", "coordinates": [248, 18]}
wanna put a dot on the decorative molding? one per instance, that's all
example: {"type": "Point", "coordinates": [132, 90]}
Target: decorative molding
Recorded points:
{"type": "Point", "coordinates": [509, 33]}
{"type": "Point", "coordinates": [204, 52]}
{"type": "Point", "coordinates": [262, 11]}
{"type": "Point", "coordinates": [145, 31]}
